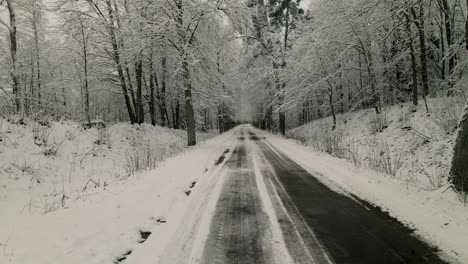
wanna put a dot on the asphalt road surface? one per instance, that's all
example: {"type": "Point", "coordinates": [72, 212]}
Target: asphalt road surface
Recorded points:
{"type": "Point", "coordinates": [318, 225]}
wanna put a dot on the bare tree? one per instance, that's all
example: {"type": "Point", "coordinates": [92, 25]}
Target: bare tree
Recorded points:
{"type": "Point", "coordinates": [12, 26]}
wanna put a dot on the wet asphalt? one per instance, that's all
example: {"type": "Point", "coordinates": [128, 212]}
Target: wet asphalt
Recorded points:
{"type": "Point", "coordinates": [332, 227]}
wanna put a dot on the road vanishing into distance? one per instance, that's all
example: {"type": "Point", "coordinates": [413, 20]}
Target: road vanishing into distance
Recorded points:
{"type": "Point", "coordinates": [316, 223]}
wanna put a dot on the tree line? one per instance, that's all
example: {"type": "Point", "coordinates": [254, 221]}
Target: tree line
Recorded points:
{"type": "Point", "coordinates": [171, 63]}
{"type": "Point", "coordinates": [337, 56]}
{"type": "Point", "coordinates": [340, 56]}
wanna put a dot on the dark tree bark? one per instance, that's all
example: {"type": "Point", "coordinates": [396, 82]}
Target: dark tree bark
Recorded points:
{"type": "Point", "coordinates": [153, 82]}
{"type": "Point", "coordinates": [413, 62]}
{"type": "Point", "coordinates": [84, 50]}
{"type": "Point", "coordinates": [189, 112]}
{"type": "Point", "coordinates": [282, 115]}
{"type": "Point", "coordinates": [131, 90]}
{"type": "Point", "coordinates": [419, 22]}
{"type": "Point", "coordinates": [162, 95]}
{"type": "Point", "coordinates": [459, 169]}
{"type": "Point", "coordinates": [332, 104]}
{"type": "Point", "coordinates": [139, 94]}
{"type": "Point", "coordinates": [187, 38]}
{"type": "Point", "coordinates": [442, 51]}
{"type": "Point", "coordinates": [177, 115]}
{"type": "Point", "coordinates": [86, 85]}
{"type": "Point", "coordinates": [375, 96]}
{"type": "Point", "coordinates": [220, 118]}
{"type": "Point", "coordinates": [466, 28]}
{"type": "Point", "coordinates": [116, 56]}
{"type": "Point", "coordinates": [13, 53]}
{"type": "Point", "coordinates": [448, 34]}
{"type": "Point", "coordinates": [38, 61]}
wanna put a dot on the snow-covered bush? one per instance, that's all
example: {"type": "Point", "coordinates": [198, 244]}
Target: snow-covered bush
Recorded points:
{"type": "Point", "coordinates": [381, 159]}
{"type": "Point", "coordinates": [378, 123]}
{"type": "Point", "coordinates": [45, 167]}
{"type": "Point", "coordinates": [41, 134]}
{"type": "Point", "coordinates": [143, 158]}
{"type": "Point", "coordinates": [352, 153]}
{"type": "Point", "coordinates": [330, 142]}
{"type": "Point", "coordinates": [103, 137]}
{"type": "Point", "coordinates": [446, 113]}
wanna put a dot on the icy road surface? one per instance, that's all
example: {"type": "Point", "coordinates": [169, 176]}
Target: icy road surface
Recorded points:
{"type": "Point", "coordinates": [318, 225]}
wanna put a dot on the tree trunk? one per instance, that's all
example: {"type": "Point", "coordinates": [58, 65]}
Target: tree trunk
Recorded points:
{"type": "Point", "coordinates": [139, 94]}
{"type": "Point", "coordinates": [85, 59]}
{"type": "Point", "coordinates": [29, 100]}
{"type": "Point", "coordinates": [466, 28]}
{"type": "Point", "coordinates": [282, 115]}
{"type": "Point", "coordinates": [413, 62]}
{"type": "Point", "coordinates": [162, 96]}
{"type": "Point", "coordinates": [122, 47]}
{"type": "Point", "coordinates": [38, 63]}
{"type": "Point", "coordinates": [282, 122]}
{"type": "Point", "coordinates": [132, 91]}
{"type": "Point", "coordinates": [14, 60]}
{"type": "Point", "coordinates": [442, 48]}
{"type": "Point", "coordinates": [372, 77]}
{"type": "Point", "coordinates": [332, 106]}
{"type": "Point", "coordinates": [459, 169]}
{"type": "Point", "coordinates": [448, 35]}
{"type": "Point", "coordinates": [187, 41]}
{"type": "Point", "coordinates": [131, 113]}
{"type": "Point", "coordinates": [221, 118]}
{"type": "Point", "coordinates": [361, 83]}
{"type": "Point", "coordinates": [177, 115]}
{"type": "Point", "coordinates": [152, 105]}
{"type": "Point", "coordinates": [419, 21]}
{"type": "Point", "coordinates": [189, 112]}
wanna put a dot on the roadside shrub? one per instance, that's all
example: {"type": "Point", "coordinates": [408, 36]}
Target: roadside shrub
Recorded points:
{"type": "Point", "coordinates": [143, 158]}
{"type": "Point", "coordinates": [446, 113]}
{"type": "Point", "coordinates": [378, 123]}
{"type": "Point", "coordinates": [331, 143]}
{"type": "Point", "coordinates": [437, 178]}
{"type": "Point", "coordinates": [41, 134]}
{"type": "Point", "coordinates": [352, 153]}
{"type": "Point", "coordinates": [381, 159]}
{"type": "Point", "coordinates": [404, 117]}
{"type": "Point", "coordinates": [103, 137]}
{"type": "Point", "coordinates": [51, 149]}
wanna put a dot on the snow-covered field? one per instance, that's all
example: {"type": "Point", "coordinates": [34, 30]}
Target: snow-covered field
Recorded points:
{"type": "Point", "coordinates": [418, 193]}
{"type": "Point", "coordinates": [64, 189]}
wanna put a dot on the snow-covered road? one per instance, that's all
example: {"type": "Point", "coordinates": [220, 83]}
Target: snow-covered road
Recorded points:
{"type": "Point", "coordinates": [269, 201]}
{"type": "Point", "coordinates": [271, 210]}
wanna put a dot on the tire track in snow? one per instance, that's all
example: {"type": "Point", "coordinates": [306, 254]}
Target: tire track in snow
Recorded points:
{"type": "Point", "coordinates": [239, 229]}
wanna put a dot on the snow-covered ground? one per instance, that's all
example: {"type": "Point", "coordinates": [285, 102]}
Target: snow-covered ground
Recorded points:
{"type": "Point", "coordinates": [414, 147]}
{"type": "Point", "coordinates": [107, 194]}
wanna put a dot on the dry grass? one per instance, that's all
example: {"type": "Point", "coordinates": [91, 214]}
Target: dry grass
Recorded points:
{"type": "Point", "coordinates": [382, 159]}
{"type": "Point", "coordinates": [143, 158]}
{"type": "Point", "coordinates": [446, 113]}
{"type": "Point", "coordinates": [378, 123]}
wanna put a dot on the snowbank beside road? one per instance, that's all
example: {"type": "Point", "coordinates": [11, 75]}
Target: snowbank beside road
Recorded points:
{"type": "Point", "coordinates": [96, 221]}
{"type": "Point", "coordinates": [414, 147]}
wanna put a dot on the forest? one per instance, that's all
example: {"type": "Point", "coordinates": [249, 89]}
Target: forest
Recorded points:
{"type": "Point", "coordinates": [201, 65]}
